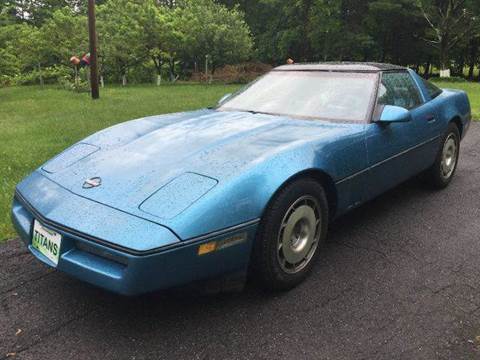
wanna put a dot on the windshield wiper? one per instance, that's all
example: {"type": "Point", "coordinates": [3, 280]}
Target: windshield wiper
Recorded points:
{"type": "Point", "coordinates": [254, 112]}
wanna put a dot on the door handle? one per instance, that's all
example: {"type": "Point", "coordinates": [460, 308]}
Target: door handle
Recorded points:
{"type": "Point", "coordinates": [430, 117]}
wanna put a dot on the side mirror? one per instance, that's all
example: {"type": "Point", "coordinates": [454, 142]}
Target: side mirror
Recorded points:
{"type": "Point", "coordinates": [224, 99]}
{"type": "Point", "coordinates": [391, 114]}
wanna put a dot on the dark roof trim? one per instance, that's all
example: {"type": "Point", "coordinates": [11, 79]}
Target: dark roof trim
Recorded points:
{"type": "Point", "coordinates": [340, 67]}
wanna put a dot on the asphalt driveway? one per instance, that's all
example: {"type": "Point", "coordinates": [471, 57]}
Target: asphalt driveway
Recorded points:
{"type": "Point", "coordinates": [400, 279]}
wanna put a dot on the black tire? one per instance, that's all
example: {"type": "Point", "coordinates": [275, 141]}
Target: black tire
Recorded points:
{"type": "Point", "coordinates": [435, 175]}
{"type": "Point", "coordinates": [268, 267]}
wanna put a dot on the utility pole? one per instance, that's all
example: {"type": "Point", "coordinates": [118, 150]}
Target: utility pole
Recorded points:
{"type": "Point", "coordinates": [92, 34]}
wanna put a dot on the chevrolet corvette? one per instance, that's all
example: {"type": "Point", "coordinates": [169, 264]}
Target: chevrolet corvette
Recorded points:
{"type": "Point", "coordinates": [246, 187]}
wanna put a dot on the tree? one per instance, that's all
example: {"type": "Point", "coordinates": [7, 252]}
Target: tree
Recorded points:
{"type": "Point", "coordinates": [63, 35]}
{"type": "Point", "coordinates": [141, 37]}
{"type": "Point", "coordinates": [397, 28]}
{"type": "Point", "coordinates": [7, 12]}
{"type": "Point", "coordinates": [267, 20]}
{"type": "Point", "coordinates": [473, 51]}
{"type": "Point", "coordinates": [19, 49]}
{"type": "Point", "coordinates": [160, 36]}
{"type": "Point", "coordinates": [37, 12]}
{"type": "Point", "coordinates": [449, 21]}
{"type": "Point", "coordinates": [9, 62]}
{"type": "Point", "coordinates": [171, 4]}
{"type": "Point", "coordinates": [121, 36]}
{"type": "Point", "coordinates": [326, 29]}
{"type": "Point", "coordinates": [211, 29]}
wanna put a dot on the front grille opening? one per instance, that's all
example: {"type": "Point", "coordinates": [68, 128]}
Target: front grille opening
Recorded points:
{"type": "Point", "coordinates": [83, 246]}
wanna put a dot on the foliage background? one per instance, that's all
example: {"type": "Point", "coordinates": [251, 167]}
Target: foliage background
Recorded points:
{"type": "Point", "coordinates": [141, 39]}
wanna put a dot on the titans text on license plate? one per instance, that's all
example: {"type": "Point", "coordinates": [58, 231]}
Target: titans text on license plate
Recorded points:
{"type": "Point", "coordinates": [47, 242]}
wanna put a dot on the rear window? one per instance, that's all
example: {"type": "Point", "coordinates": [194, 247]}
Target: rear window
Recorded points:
{"type": "Point", "coordinates": [432, 90]}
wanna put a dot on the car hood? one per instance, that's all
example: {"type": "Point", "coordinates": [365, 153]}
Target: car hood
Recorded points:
{"type": "Point", "coordinates": [177, 158]}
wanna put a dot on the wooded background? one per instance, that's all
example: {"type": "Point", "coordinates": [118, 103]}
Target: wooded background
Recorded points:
{"type": "Point", "coordinates": [141, 39]}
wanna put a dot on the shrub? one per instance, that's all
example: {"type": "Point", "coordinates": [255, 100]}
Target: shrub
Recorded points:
{"type": "Point", "coordinates": [50, 75]}
{"type": "Point", "coordinates": [236, 74]}
{"type": "Point", "coordinates": [81, 85]}
{"type": "Point", "coordinates": [452, 79]}
{"type": "Point", "coordinates": [6, 80]}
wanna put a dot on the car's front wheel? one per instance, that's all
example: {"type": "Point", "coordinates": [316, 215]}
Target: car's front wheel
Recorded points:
{"type": "Point", "coordinates": [442, 171]}
{"type": "Point", "coordinates": [290, 234]}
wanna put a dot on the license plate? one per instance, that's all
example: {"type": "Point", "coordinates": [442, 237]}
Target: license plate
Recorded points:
{"type": "Point", "coordinates": [46, 241]}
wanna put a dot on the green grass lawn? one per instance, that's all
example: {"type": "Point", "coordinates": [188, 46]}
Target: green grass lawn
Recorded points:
{"type": "Point", "coordinates": [37, 123]}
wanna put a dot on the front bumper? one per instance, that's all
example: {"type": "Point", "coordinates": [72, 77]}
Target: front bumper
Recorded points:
{"type": "Point", "coordinates": [128, 271]}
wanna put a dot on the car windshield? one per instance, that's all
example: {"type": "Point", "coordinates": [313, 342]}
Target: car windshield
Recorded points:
{"type": "Point", "coordinates": [332, 96]}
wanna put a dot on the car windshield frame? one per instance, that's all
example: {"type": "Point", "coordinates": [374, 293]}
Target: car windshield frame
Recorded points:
{"type": "Point", "coordinates": [357, 73]}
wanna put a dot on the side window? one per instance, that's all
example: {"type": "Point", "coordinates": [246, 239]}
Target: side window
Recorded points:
{"type": "Point", "coordinates": [398, 89]}
{"type": "Point", "coordinates": [433, 91]}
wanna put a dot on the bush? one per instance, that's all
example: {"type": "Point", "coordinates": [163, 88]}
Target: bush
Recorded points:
{"type": "Point", "coordinates": [452, 79]}
{"type": "Point", "coordinates": [6, 80]}
{"type": "Point", "coordinates": [50, 75]}
{"type": "Point", "coordinates": [236, 74]}
{"type": "Point", "coordinates": [81, 85]}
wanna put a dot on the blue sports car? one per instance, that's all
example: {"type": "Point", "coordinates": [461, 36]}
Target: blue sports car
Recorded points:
{"type": "Point", "coordinates": [247, 187]}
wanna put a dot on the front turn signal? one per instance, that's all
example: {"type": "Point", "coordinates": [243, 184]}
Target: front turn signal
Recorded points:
{"type": "Point", "coordinates": [207, 248]}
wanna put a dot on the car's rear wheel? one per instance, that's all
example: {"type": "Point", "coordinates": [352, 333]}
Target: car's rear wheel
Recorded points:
{"type": "Point", "coordinates": [442, 171]}
{"type": "Point", "coordinates": [290, 234]}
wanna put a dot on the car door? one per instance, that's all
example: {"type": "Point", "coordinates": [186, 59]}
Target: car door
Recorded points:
{"type": "Point", "coordinates": [395, 149]}
{"type": "Point", "coordinates": [429, 124]}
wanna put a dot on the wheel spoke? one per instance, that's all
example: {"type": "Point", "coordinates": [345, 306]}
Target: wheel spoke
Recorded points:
{"type": "Point", "coordinates": [449, 157]}
{"type": "Point", "coordinates": [298, 234]}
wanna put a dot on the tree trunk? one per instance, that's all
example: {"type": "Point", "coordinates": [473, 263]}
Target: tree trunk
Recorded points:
{"type": "Point", "coordinates": [471, 69]}
{"type": "Point", "coordinates": [77, 78]}
{"type": "Point", "coordinates": [384, 49]}
{"type": "Point", "coordinates": [472, 58]}
{"type": "Point", "coordinates": [426, 73]}
{"type": "Point", "coordinates": [206, 68]}
{"type": "Point", "coordinates": [365, 56]}
{"type": "Point", "coordinates": [158, 62]}
{"type": "Point", "coordinates": [40, 74]}
{"type": "Point", "coordinates": [444, 56]}
{"type": "Point", "coordinates": [325, 47]}
{"type": "Point", "coordinates": [124, 80]}
{"type": "Point", "coordinates": [460, 67]}
{"type": "Point", "coordinates": [171, 68]}
{"type": "Point", "coordinates": [214, 68]}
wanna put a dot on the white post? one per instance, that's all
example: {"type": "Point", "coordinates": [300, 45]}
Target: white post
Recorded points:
{"type": "Point", "coordinates": [102, 83]}
{"type": "Point", "coordinates": [445, 73]}
{"type": "Point", "coordinates": [210, 79]}
{"type": "Point", "coordinates": [124, 80]}
{"type": "Point", "coordinates": [40, 73]}
{"type": "Point", "coordinates": [159, 80]}
{"type": "Point", "coordinates": [77, 79]}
